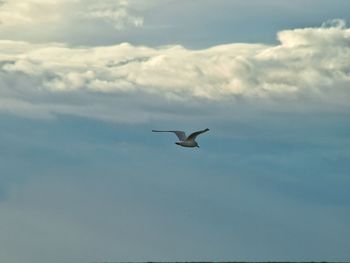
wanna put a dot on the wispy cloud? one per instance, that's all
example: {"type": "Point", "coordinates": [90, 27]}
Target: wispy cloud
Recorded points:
{"type": "Point", "coordinates": [120, 13]}
{"type": "Point", "coordinates": [116, 13]}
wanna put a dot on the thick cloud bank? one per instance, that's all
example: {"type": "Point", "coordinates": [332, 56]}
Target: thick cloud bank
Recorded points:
{"type": "Point", "coordinates": [309, 65]}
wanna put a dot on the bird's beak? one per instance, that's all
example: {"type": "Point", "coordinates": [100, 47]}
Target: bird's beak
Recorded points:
{"type": "Point", "coordinates": [198, 146]}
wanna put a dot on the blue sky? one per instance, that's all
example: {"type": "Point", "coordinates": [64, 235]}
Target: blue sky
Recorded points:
{"type": "Point", "coordinates": [83, 178]}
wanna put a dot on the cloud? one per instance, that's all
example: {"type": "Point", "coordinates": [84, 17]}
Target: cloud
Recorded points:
{"type": "Point", "coordinates": [34, 13]}
{"type": "Point", "coordinates": [116, 13]}
{"type": "Point", "coordinates": [310, 66]}
{"type": "Point", "coordinates": [15, 12]}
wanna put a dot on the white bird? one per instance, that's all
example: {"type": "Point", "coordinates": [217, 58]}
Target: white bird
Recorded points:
{"type": "Point", "coordinates": [184, 140]}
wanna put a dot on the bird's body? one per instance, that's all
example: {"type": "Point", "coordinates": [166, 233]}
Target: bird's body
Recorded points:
{"type": "Point", "coordinates": [184, 140]}
{"type": "Point", "coordinates": [187, 143]}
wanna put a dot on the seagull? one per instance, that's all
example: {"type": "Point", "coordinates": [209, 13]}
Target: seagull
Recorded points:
{"type": "Point", "coordinates": [184, 140]}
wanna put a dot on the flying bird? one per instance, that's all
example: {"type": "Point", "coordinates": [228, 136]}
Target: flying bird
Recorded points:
{"type": "Point", "coordinates": [184, 140]}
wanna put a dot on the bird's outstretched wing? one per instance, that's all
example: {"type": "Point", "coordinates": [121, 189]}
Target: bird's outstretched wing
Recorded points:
{"type": "Point", "coordinates": [180, 134]}
{"type": "Point", "coordinates": [195, 134]}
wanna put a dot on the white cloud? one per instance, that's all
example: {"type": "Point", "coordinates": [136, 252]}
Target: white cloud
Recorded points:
{"type": "Point", "coordinates": [118, 13]}
{"type": "Point", "coordinates": [309, 65]}
{"type": "Point", "coordinates": [16, 12]}
{"type": "Point", "coordinates": [36, 13]}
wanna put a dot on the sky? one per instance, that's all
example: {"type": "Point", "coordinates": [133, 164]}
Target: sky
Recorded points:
{"type": "Point", "coordinates": [83, 83]}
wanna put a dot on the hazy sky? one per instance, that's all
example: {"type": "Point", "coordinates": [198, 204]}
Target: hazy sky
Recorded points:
{"type": "Point", "coordinates": [83, 83]}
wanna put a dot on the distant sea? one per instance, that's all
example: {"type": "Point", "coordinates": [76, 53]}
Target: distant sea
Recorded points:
{"type": "Point", "coordinates": [225, 262]}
